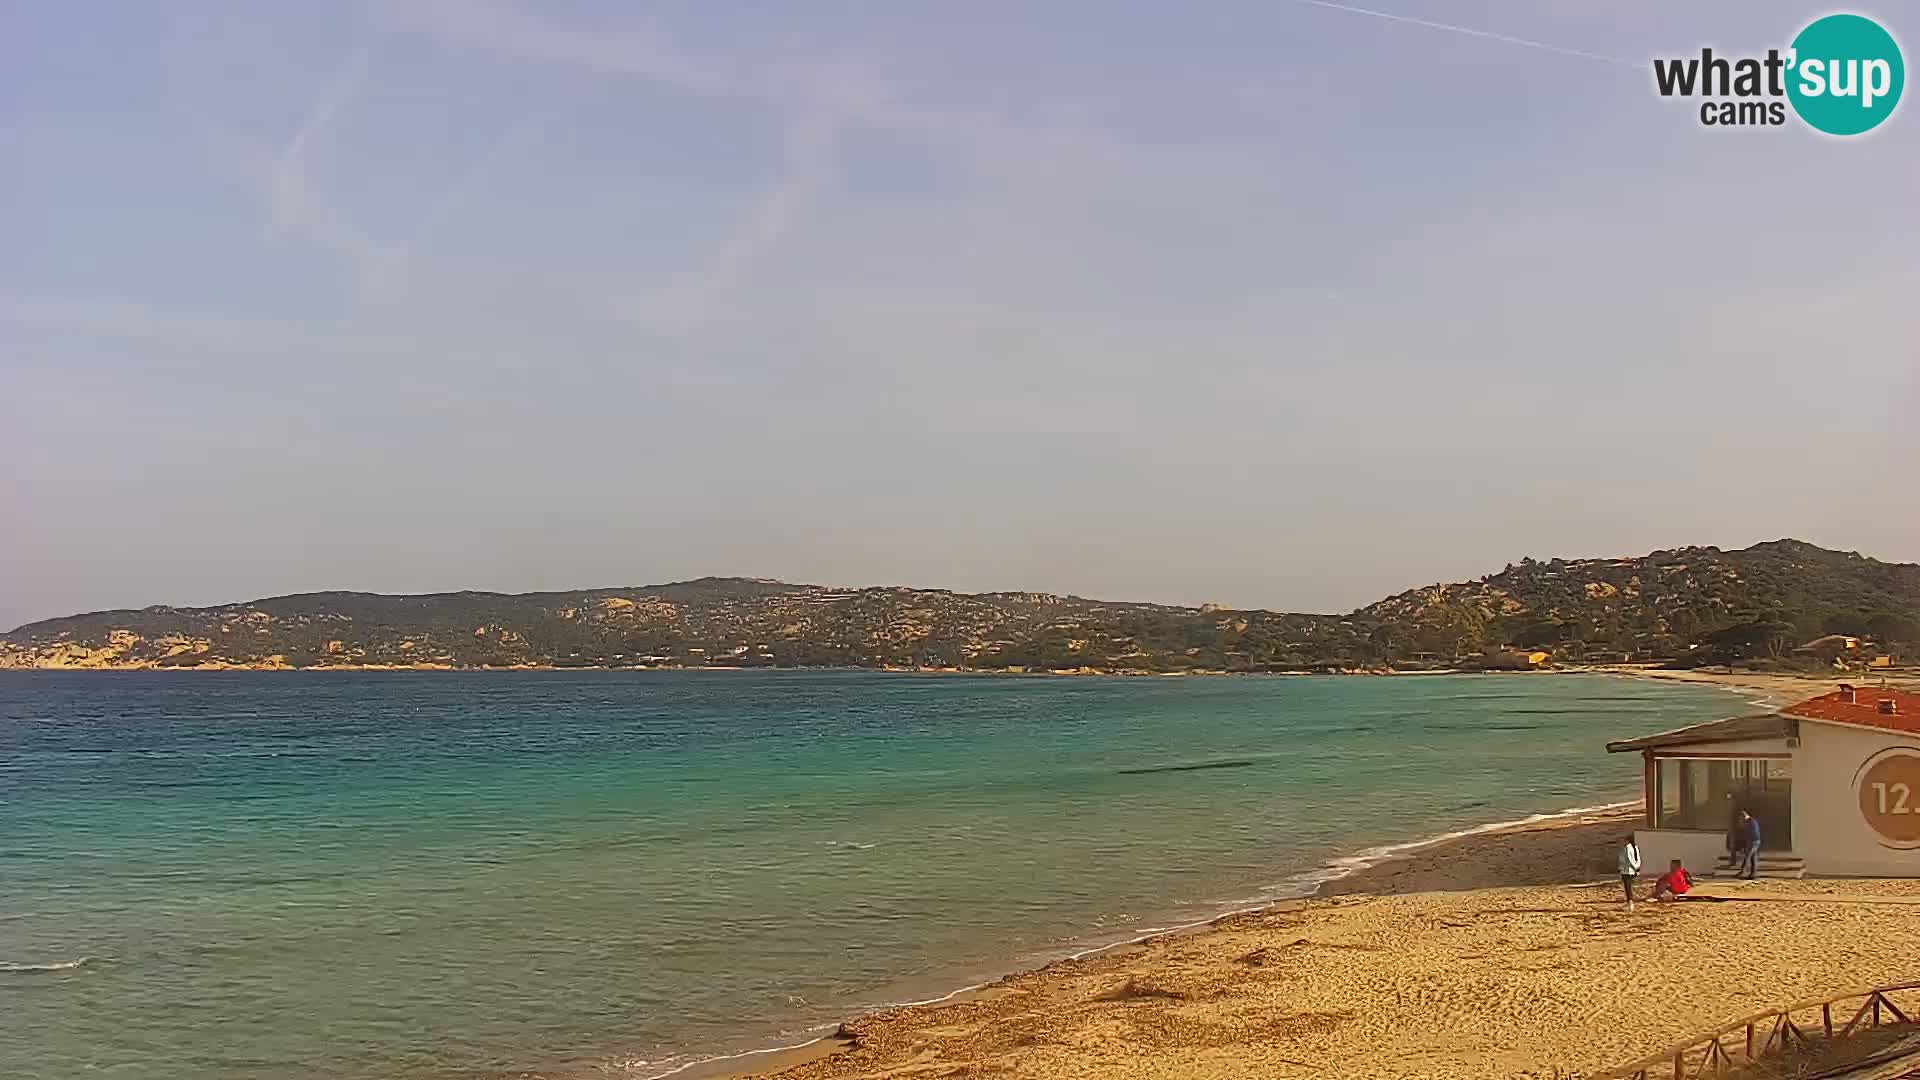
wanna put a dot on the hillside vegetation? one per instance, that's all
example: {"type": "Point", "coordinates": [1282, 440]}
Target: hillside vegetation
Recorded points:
{"type": "Point", "coordinates": [1687, 605]}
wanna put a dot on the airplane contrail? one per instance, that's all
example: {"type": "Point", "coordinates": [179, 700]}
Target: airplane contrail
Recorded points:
{"type": "Point", "coordinates": [1471, 32]}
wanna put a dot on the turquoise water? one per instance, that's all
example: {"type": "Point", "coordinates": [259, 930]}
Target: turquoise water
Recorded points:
{"type": "Point", "coordinates": [414, 875]}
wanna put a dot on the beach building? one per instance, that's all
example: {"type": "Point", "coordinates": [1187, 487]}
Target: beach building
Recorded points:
{"type": "Point", "coordinates": [1831, 646]}
{"type": "Point", "coordinates": [1834, 780]}
{"type": "Point", "coordinates": [1513, 658]}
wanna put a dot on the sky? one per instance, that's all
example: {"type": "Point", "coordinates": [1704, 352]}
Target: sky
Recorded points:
{"type": "Point", "coordinates": [1278, 303]}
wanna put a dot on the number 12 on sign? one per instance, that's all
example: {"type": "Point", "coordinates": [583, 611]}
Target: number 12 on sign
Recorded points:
{"type": "Point", "coordinates": [1893, 798]}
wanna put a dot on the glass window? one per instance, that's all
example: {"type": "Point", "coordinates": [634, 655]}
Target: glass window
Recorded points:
{"type": "Point", "coordinates": [1666, 784]}
{"type": "Point", "coordinates": [1697, 793]}
{"type": "Point", "coordinates": [1703, 794]}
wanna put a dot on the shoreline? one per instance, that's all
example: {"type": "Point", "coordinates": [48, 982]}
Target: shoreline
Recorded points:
{"type": "Point", "coordinates": [1774, 689]}
{"type": "Point", "coordinates": [1442, 926]}
{"type": "Point", "coordinates": [1064, 673]}
{"type": "Point", "coordinates": [1381, 869]}
{"type": "Point", "coordinates": [1337, 876]}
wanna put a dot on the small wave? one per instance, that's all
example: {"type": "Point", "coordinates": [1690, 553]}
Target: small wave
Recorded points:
{"type": "Point", "coordinates": [1348, 865]}
{"type": "Point", "coordinates": [1479, 697]}
{"type": "Point", "coordinates": [1766, 700]}
{"type": "Point", "coordinates": [826, 1030]}
{"type": "Point", "coordinates": [61, 965]}
{"type": "Point", "coordinates": [1577, 710]}
{"type": "Point", "coordinates": [716, 1059]}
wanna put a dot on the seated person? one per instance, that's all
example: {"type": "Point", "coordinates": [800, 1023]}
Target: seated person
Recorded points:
{"type": "Point", "coordinates": [1673, 884]}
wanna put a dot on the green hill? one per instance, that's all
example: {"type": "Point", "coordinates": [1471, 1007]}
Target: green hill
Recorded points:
{"type": "Point", "coordinates": [1687, 604]}
{"type": "Point", "coordinates": [1757, 601]}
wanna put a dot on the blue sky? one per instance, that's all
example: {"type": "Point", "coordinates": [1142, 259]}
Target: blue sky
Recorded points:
{"type": "Point", "coordinates": [1276, 303]}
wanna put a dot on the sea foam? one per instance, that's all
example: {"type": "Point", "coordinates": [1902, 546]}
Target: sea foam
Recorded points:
{"type": "Point", "coordinates": [59, 965]}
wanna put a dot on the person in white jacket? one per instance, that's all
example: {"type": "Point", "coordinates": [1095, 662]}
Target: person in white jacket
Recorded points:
{"type": "Point", "coordinates": [1629, 868]}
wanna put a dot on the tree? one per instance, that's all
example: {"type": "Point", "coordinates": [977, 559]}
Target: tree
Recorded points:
{"type": "Point", "coordinates": [1381, 643]}
{"type": "Point", "coordinates": [1751, 640]}
{"type": "Point", "coordinates": [1852, 623]}
{"type": "Point", "coordinates": [1888, 628]}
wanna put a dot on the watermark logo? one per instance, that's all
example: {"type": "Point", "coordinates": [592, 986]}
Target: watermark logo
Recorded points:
{"type": "Point", "coordinates": [1850, 74]}
{"type": "Point", "coordinates": [1842, 75]}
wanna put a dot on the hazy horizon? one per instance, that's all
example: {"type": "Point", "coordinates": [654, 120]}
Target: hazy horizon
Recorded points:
{"type": "Point", "coordinates": [1289, 305]}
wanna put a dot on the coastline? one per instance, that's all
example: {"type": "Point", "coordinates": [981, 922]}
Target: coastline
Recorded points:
{"type": "Point", "coordinates": [1127, 673]}
{"type": "Point", "coordinates": [1381, 869]}
{"type": "Point", "coordinates": [1771, 689]}
{"type": "Point", "coordinates": [1495, 951]}
{"type": "Point", "coordinates": [1378, 868]}
{"type": "Point", "coordinates": [1552, 850]}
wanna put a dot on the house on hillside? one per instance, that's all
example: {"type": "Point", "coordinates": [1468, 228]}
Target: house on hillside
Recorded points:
{"type": "Point", "coordinates": [1830, 647]}
{"type": "Point", "coordinates": [1834, 780]}
{"type": "Point", "coordinates": [1509, 658]}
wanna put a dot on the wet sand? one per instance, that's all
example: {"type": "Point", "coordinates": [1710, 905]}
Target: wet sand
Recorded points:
{"type": "Point", "coordinates": [1505, 954]}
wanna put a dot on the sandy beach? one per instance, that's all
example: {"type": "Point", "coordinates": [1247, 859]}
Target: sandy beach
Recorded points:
{"type": "Point", "coordinates": [1773, 690]}
{"type": "Point", "coordinates": [1506, 954]}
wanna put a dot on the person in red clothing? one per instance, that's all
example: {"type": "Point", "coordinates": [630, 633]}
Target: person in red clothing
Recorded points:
{"type": "Point", "coordinates": [1673, 884]}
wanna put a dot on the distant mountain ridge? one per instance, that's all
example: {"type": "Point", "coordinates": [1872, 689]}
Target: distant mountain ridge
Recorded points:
{"type": "Point", "coordinates": [1694, 602]}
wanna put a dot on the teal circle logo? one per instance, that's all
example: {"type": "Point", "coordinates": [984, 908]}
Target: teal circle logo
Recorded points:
{"type": "Point", "coordinates": [1845, 74]}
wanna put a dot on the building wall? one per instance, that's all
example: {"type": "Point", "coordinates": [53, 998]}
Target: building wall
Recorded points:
{"type": "Point", "coordinates": [1828, 828]}
{"type": "Point", "coordinates": [1698, 850]}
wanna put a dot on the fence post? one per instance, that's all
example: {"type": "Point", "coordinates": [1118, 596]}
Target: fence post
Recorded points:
{"type": "Point", "coordinates": [1877, 1009]}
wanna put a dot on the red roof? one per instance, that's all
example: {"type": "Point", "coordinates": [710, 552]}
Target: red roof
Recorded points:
{"type": "Point", "coordinates": [1863, 710]}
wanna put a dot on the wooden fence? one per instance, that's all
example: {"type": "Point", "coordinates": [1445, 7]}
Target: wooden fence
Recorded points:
{"type": "Point", "coordinates": [1781, 1032]}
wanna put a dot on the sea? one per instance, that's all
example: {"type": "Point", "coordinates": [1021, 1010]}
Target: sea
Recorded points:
{"type": "Point", "coordinates": [471, 875]}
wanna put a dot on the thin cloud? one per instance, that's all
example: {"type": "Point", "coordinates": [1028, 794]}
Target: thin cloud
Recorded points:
{"type": "Point", "coordinates": [295, 204]}
{"type": "Point", "coordinates": [697, 297]}
{"type": "Point", "coordinates": [145, 322]}
{"type": "Point", "coordinates": [1016, 154]}
{"type": "Point", "coordinates": [458, 193]}
{"type": "Point", "coordinates": [506, 30]}
{"type": "Point", "coordinates": [344, 88]}
{"type": "Point", "coordinates": [1468, 31]}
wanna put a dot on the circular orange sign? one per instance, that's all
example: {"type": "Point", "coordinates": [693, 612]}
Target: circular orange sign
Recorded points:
{"type": "Point", "coordinates": [1889, 789]}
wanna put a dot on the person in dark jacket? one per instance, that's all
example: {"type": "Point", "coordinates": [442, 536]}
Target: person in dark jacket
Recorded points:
{"type": "Point", "coordinates": [1749, 846]}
